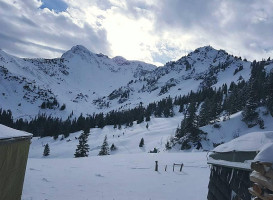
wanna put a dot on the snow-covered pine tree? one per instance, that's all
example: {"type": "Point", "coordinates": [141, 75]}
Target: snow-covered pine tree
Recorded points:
{"type": "Point", "coordinates": [82, 148]}
{"type": "Point", "coordinates": [104, 148]}
{"type": "Point", "coordinates": [203, 115]}
{"type": "Point", "coordinates": [46, 150]}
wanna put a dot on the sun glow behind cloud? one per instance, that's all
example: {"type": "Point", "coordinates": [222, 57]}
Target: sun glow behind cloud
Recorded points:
{"type": "Point", "coordinates": [130, 38]}
{"type": "Point", "coordinates": [151, 31]}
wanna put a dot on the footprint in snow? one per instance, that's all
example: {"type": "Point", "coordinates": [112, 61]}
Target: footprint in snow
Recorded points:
{"type": "Point", "coordinates": [45, 180]}
{"type": "Point", "coordinates": [99, 175]}
{"type": "Point", "coordinates": [32, 169]}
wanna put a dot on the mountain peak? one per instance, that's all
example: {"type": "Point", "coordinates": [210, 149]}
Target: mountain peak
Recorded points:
{"type": "Point", "coordinates": [205, 52]}
{"type": "Point", "coordinates": [119, 60]}
{"type": "Point", "coordinates": [78, 50]}
{"type": "Point", "coordinates": [206, 48]}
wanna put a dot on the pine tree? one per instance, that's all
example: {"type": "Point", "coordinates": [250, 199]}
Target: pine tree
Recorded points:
{"type": "Point", "coordinates": [168, 146]}
{"type": "Point", "coordinates": [250, 115]}
{"type": "Point", "coordinates": [269, 95]}
{"type": "Point", "coordinates": [141, 143]}
{"type": "Point", "coordinates": [104, 148]}
{"type": "Point", "coordinates": [46, 150]}
{"type": "Point", "coordinates": [189, 131]}
{"type": "Point", "coordinates": [113, 147]}
{"type": "Point", "coordinates": [82, 148]}
{"type": "Point", "coordinates": [148, 118]}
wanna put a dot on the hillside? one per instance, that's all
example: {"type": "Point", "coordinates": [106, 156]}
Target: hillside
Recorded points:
{"type": "Point", "coordinates": [84, 82]}
{"type": "Point", "coordinates": [201, 94]}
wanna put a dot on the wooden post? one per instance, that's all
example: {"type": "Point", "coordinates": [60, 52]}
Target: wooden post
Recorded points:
{"type": "Point", "coordinates": [173, 167]}
{"type": "Point", "coordinates": [156, 166]}
{"type": "Point", "coordinates": [181, 167]}
{"type": "Point", "coordinates": [165, 168]}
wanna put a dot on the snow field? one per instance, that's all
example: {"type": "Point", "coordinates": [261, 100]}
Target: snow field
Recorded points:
{"type": "Point", "coordinates": [128, 173]}
{"type": "Point", "coordinates": [123, 176]}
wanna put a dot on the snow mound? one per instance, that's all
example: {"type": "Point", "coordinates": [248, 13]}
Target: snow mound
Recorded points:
{"type": "Point", "coordinates": [6, 132]}
{"type": "Point", "coordinates": [265, 155]}
{"type": "Point", "coordinates": [254, 141]}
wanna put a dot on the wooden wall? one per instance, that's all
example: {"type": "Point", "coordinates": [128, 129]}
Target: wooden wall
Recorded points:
{"type": "Point", "coordinates": [228, 184]}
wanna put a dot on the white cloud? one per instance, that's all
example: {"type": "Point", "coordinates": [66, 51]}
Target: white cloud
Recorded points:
{"type": "Point", "coordinates": [27, 30]}
{"type": "Point", "coordinates": [151, 31]}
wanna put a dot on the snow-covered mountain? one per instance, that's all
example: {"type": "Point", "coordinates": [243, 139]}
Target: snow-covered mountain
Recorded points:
{"type": "Point", "coordinates": [86, 82]}
{"type": "Point", "coordinates": [76, 79]}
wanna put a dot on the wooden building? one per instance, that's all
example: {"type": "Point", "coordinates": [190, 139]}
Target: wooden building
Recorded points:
{"type": "Point", "coordinates": [14, 148]}
{"type": "Point", "coordinates": [230, 165]}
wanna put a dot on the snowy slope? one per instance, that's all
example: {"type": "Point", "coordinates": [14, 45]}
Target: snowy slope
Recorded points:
{"type": "Point", "coordinates": [86, 82]}
{"type": "Point", "coordinates": [232, 128]}
{"type": "Point", "coordinates": [156, 136]}
{"type": "Point", "coordinates": [204, 67]}
{"type": "Point", "coordinates": [160, 130]}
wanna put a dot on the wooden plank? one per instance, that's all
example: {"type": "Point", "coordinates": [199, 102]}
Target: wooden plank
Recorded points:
{"type": "Point", "coordinates": [257, 166]}
{"type": "Point", "coordinates": [257, 177]}
{"type": "Point", "coordinates": [263, 197]}
{"type": "Point", "coordinates": [264, 168]}
{"type": "Point", "coordinates": [257, 188]}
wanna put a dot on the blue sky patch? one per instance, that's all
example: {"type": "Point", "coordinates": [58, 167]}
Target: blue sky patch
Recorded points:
{"type": "Point", "coordinates": [56, 5]}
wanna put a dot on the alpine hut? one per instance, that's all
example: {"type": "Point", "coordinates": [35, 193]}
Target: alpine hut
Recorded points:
{"type": "Point", "coordinates": [14, 148]}
{"type": "Point", "coordinates": [231, 166]}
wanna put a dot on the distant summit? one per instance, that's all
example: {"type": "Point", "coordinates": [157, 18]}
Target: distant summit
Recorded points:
{"type": "Point", "coordinates": [78, 50]}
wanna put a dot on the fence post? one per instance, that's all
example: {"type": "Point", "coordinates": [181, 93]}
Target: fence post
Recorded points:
{"type": "Point", "coordinates": [173, 167]}
{"type": "Point", "coordinates": [181, 167]}
{"type": "Point", "coordinates": [156, 166]}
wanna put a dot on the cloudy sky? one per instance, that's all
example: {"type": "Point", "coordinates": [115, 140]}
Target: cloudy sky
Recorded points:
{"type": "Point", "coordinates": [154, 31]}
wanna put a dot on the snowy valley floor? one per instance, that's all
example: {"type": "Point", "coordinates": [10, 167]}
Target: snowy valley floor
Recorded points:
{"type": "Point", "coordinates": [118, 177]}
{"type": "Point", "coordinates": [128, 173]}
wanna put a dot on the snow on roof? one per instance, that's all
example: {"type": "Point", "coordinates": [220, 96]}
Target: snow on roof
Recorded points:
{"type": "Point", "coordinates": [254, 141]}
{"type": "Point", "coordinates": [6, 132]}
{"type": "Point", "coordinates": [265, 155]}
{"type": "Point", "coordinates": [239, 165]}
